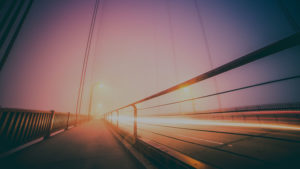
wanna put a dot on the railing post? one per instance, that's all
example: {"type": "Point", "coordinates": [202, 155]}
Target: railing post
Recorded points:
{"type": "Point", "coordinates": [51, 123]}
{"type": "Point", "coordinates": [135, 123]}
{"type": "Point", "coordinates": [110, 117]}
{"type": "Point", "coordinates": [68, 121]}
{"type": "Point", "coordinates": [117, 119]}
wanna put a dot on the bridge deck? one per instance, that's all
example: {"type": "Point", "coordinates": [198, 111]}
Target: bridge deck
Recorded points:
{"type": "Point", "coordinates": [90, 145]}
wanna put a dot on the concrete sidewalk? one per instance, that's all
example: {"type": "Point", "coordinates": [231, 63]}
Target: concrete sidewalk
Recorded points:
{"type": "Point", "coordinates": [88, 146]}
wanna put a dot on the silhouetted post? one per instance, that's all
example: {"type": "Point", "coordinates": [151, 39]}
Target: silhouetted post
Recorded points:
{"type": "Point", "coordinates": [117, 119]}
{"type": "Point", "coordinates": [76, 119]}
{"type": "Point", "coordinates": [51, 123]}
{"type": "Point", "coordinates": [110, 117]}
{"type": "Point", "coordinates": [91, 102]}
{"type": "Point", "coordinates": [68, 121]}
{"type": "Point", "coordinates": [135, 123]}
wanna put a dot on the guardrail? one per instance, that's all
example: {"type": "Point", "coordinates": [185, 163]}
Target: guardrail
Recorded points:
{"type": "Point", "coordinates": [278, 46]}
{"type": "Point", "coordinates": [19, 126]}
{"type": "Point", "coordinates": [283, 44]}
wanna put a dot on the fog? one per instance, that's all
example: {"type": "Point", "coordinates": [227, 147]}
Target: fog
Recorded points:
{"type": "Point", "coordinates": [140, 47]}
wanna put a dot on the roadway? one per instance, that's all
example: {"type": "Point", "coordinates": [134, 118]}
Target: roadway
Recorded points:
{"type": "Point", "coordinates": [87, 146]}
{"type": "Point", "coordinates": [221, 145]}
{"type": "Point", "coordinates": [225, 144]}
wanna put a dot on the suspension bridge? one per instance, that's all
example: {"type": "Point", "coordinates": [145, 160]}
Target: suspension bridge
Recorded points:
{"type": "Point", "coordinates": [242, 113]}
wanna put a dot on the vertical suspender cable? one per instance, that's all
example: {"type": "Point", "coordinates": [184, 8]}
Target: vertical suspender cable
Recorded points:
{"type": "Point", "coordinates": [172, 40]}
{"type": "Point", "coordinates": [172, 44]}
{"type": "Point", "coordinates": [16, 33]}
{"type": "Point", "coordinates": [97, 37]}
{"type": "Point", "coordinates": [173, 47]}
{"type": "Point", "coordinates": [85, 61]}
{"type": "Point", "coordinates": [207, 48]}
{"type": "Point", "coordinates": [101, 4]}
{"type": "Point", "coordinates": [88, 51]}
{"type": "Point", "coordinates": [155, 46]}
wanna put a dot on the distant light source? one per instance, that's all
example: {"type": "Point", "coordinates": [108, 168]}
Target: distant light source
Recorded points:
{"type": "Point", "coordinates": [186, 89]}
{"type": "Point", "coordinates": [101, 85]}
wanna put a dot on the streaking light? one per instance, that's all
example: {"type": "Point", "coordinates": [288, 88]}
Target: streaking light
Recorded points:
{"type": "Point", "coordinates": [188, 121]}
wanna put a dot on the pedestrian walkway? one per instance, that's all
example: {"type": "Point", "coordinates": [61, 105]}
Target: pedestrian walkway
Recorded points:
{"type": "Point", "coordinates": [88, 146]}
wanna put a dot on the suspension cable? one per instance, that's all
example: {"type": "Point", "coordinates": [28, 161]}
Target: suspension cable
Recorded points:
{"type": "Point", "coordinates": [207, 48]}
{"type": "Point", "coordinates": [174, 55]}
{"type": "Point", "coordinates": [16, 33]}
{"type": "Point", "coordinates": [102, 4]}
{"type": "Point", "coordinates": [85, 61]}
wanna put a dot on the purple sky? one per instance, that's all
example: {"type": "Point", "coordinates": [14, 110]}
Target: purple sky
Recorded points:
{"type": "Point", "coordinates": [142, 47]}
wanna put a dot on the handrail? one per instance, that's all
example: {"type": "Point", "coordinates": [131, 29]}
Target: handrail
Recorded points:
{"type": "Point", "coordinates": [24, 110]}
{"type": "Point", "coordinates": [19, 126]}
{"type": "Point", "coordinates": [285, 43]}
{"type": "Point", "coordinates": [223, 92]}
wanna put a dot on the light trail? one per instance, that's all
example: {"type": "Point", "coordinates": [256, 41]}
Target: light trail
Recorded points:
{"type": "Point", "coordinates": [188, 121]}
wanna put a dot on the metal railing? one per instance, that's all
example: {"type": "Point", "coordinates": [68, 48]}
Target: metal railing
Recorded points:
{"type": "Point", "coordinates": [283, 44]}
{"type": "Point", "coordinates": [19, 126]}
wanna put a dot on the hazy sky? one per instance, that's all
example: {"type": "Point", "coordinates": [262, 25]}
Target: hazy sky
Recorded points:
{"type": "Point", "coordinates": [143, 46]}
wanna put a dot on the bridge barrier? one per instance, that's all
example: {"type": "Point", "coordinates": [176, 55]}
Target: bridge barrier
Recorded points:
{"type": "Point", "coordinates": [277, 114]}
{"type": "Point", "coordinates": [18, 126]}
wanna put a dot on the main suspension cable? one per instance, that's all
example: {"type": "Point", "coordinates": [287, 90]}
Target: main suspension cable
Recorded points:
{"type": "Point", "coordinates": [85, 61]}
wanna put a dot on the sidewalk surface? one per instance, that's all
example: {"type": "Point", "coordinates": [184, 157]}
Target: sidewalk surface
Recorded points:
{"type": "Point", "coordinates": [87, 146]}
